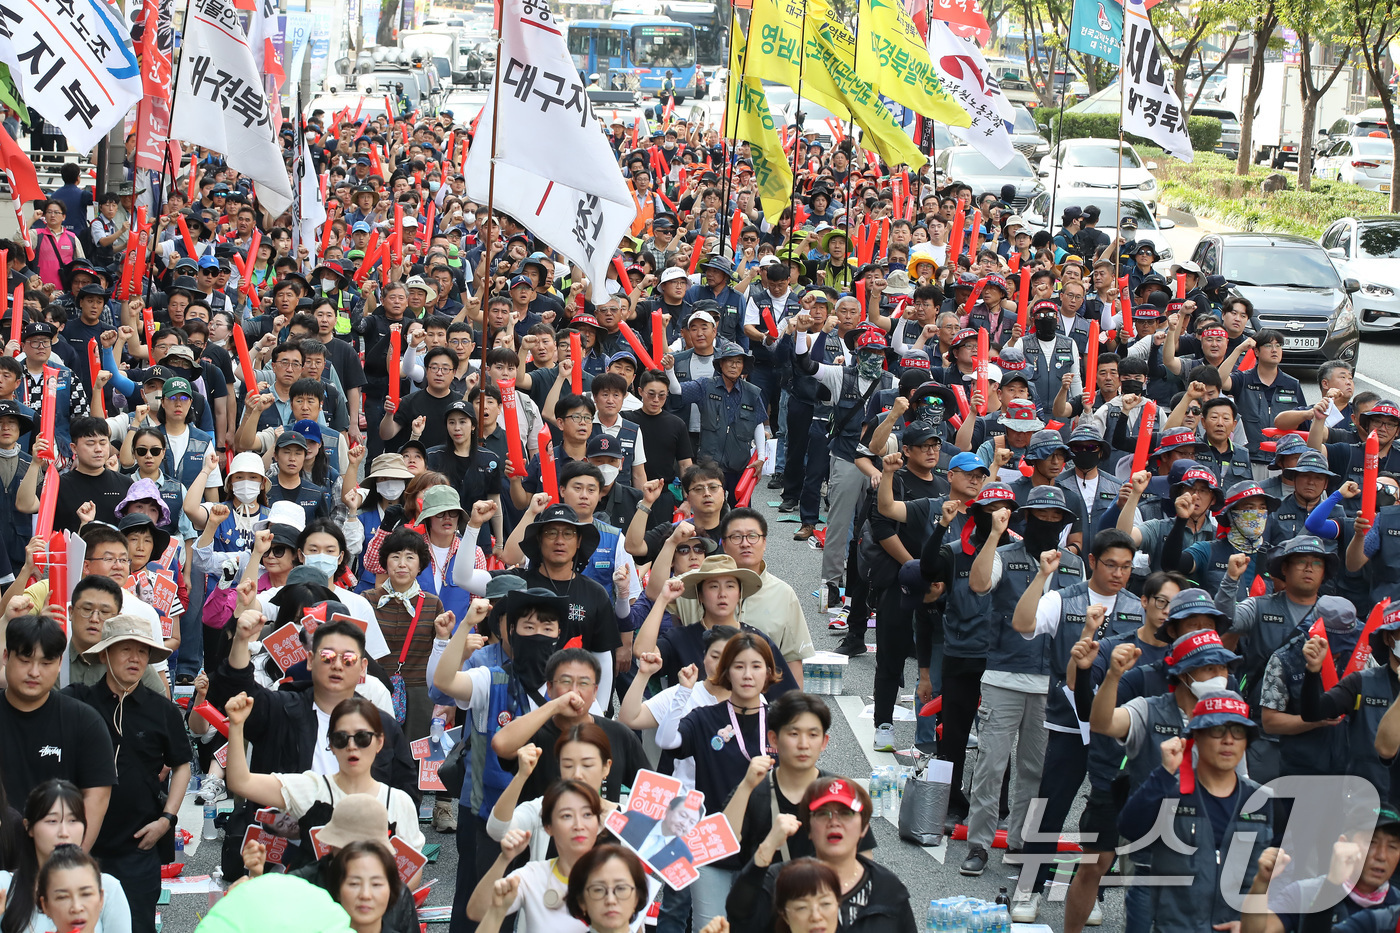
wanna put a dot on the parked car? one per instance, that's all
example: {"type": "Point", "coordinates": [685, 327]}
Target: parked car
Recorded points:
{"type": "Point", "coordinates": [1229, 143]}
{"type": "Point", "coordinates": [1044, 212]}
{"type": "Point", "coordinates": [1357, 160]}
{"type": "Point", "coordinates": [1026, 135]}
{"type": "Point", "coordinates": [1295, 289]}
{"type": "Point", "coordinates": [1358, 124]}
{"type": "Point", "coordinates": [1076, 164]}
{"type": "Point", "coordinates": [1368, 249]}
{"type": "Point", "coordinates": [965, 164]}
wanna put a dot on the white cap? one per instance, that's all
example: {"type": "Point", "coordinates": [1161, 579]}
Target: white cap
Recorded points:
{"type": "Point", "coordinates": [284, 512]}
{"type": "Point", "coordinates": [672, 273]}
{"type": "Point", "coordinates": [410, 221]}
{"type": "Point", "coordinates": [769, 260]}
{"type": "Point", "coordinates": [704, 315]}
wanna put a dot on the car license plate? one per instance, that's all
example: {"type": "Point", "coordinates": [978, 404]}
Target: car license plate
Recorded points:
{"type": "Point", "coordinates": [1301, 343]}
{"type": "Point", "coordinates": [1385, 186]}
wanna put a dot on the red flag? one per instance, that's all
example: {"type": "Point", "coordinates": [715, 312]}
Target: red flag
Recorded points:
{"type": "Point", "coordinates": [23, 181]}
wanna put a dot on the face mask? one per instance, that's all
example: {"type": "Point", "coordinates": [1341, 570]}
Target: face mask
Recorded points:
{"type": "Point", "coordinates": [530, 656]}
{"type": "Point", "coordinates": [1131, 388]}
{"type": "Point", "coordinates": [1044, 328]}
{"type": "Point", "coordinates": [1040, 535]}
{"type": "Point", "coordinates": [609, 474]}
{"type": "Point", "coordinates": [870, 366]}
{"type": "Point", "coordinates": [1249, 522]}
{"type": "Point", "coordinates": [327, 286]}
{"type": "Point", "coordinates": [246, 490]}
{"type": "Point", "coordinates": [469, 220]}
{"type": "Point", "coordinates": [390, 489]}
{"type": "Point", "coordinates": [10, 454]}
{"type": "Point", "coordinates": [433, 186]}
{"type": "Point", "coordinates": [898, 267]}
{"type": "Point", "coordinates": [1086, 460]}
{"type": "Point", "coordinates": [1210, 685]}
{"type": "Point", "coordinates": [326, 563]}
{"type": "Point", "coordinates": [982, 523]}
{"type": "Point", "coordinates": [669, 145]}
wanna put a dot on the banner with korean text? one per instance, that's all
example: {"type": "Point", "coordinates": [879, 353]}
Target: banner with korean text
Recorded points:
{"type": "Point", "coordinates": [1151, 109]}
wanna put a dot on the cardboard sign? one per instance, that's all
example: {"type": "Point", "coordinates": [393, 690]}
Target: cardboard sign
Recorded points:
{"type": "Point", "coordinates": [276, 846]}
{"type": "Point", "coordinates": [312, 618]}
{"type": "Point", "coordinates": [318, 848]}
{"type": "Point", "coordinates": [667, 829]}
{"type": "Point", "coordinates": [362, 625]}
{"type": "Point", "coordinates": [285, 647]}
{"type": "Point", "coordinates": [427, 748]}
{"type": "Point", "coordinates": [408, 859]}
{"type": "Point", "coordinates": [428, 776]}
{"type": "Point", "coordinates": [221, 756]}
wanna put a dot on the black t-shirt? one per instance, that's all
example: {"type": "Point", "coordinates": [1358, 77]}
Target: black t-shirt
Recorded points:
{"type": "Point", "coordinates": [758, 820]}
{"type": "Point", "coordinates": [152, 737]}
{"type": "Point", "coordinates": [667, 441]}
{"type": "Point", "coordinates": [474, 477]}
{"type": "Point", "coordinates": [591, 613]}
{"type": "Point", "coordinates": [221, 360]}
{"type": "Point", "coordinates": [433, 409]}
{"type": "Point", "coordinates": [74, 488]}
{"type": "Point", "coordinates": [347, 364]}
{"type": "Point", "coordinates": [64, 738]}
{"type": "Point", "coordinates": [628, 757]}
{"type": "Point", "coordinates": [657, 536]}
{"type": "Point", "coordinates": [719, 770]}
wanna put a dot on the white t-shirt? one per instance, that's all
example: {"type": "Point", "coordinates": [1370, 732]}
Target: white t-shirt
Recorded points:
{"type": "Point", "coordinates": [360, 609]}
{"type": "Point", "coordinates": [1047, 613]}
{"type": "Point", "coordinates": [534, 917]}
{"type": "Point", "coordinates": [300, 792]}
{"type": "Point", "coordinates": [440, 559]}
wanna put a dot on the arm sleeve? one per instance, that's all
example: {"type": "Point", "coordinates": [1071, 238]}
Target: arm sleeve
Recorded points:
{"type": "Point", "coordinates": [1319, 520]}
{"type": "Point", "coordinates": [668, 732]}
{"type": "Point", "coordinates": [748, 906]}
{"type": "Point", "coordinates": [1317, 706]}
{"type": "Point", "coordinates": [119, 380]}
{"type": "Point", "coordinates": [1140, 812]}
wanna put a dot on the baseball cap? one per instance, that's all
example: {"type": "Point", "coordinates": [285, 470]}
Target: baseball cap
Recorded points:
{"type": "Point", "coordinates": [841, 791]}
{"type": "Point", "coordinates": [361, 226]}
{"type": "Point", "coordinates": [522, 280]}
{"type": "Point", "coordinates": [604, 445]}
{"type": "Point", "coordinates": [672, 273]}
{"type": "Point", "coordinates": [177, 385]}
{"type": "Point", "coordinates": [968, 463]}
{"type": "Point", "coordinates": [289, 439]}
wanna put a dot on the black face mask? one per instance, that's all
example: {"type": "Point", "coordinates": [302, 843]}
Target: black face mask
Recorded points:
{"type": "Point", "coordinates": [530, 654]}
{"type": "Point", "coordinates": [1040, 535]}
{"type": "Point", "coordinates": [1131, 388]}
{"type": "Point", "coordinates": [1086, 460]}
{"type": "Point", "coordinates": [1044, 328]}
{"type": "Point", "coordinates": [981, 524]}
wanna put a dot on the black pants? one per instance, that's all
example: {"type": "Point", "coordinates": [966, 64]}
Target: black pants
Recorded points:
{"type": "Point", "coordinates": [1066, 763]}
{"type": "Point", "coordinates": [894, 645]}
{"type": "Point", "coordinates": [138, 870]}
{"type": "Point", "coordinates": [799, 424]}
{"type": "Point", "coordinates": [962, 691]}
{"type": "Point", "coordinates": [476, 851]}
{"type": "Point", "coordinates": [858, 593]}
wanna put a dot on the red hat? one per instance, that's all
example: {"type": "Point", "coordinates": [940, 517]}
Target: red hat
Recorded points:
{"type": "Point", "coordinates": [872, 337]}
{"type": "Point", "coordinates": [588, 319]}
{"type": "Point", "coordinates": [964, 335]}
{"type": "Point", "coordinates": [840, 791]}
{"type": "Point", "coordinates": [1186, 437]}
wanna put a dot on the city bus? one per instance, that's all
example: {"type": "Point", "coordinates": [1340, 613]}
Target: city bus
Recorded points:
{"type": "Point", "coordinates": [635, 54]}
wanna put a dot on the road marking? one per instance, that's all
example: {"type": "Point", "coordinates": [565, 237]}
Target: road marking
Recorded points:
{"type": "Point", "coordinates": [851, 707]}
{"type": "Point", "coordinates": [1392, 390]}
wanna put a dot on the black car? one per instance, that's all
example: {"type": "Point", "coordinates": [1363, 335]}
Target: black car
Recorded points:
{"type": "Point", "coordinates": [1294, 288]}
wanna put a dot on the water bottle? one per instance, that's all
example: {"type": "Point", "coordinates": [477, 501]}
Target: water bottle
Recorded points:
{"type": "Point", "coordinates": [179, 846]}
{"type": "Point", "coordinates": [211, 810]}
{"type": "Point", "coordinates": [439, 728]}
{"type": "Point", "coordinates": [1003, 919]}
{"type": "Point", "coordinates": [876, 804]}
{"type": "Point", "coordinates": [820, 679]}
{"type": "Point", "coordinates": [962, 917]}
{"type": "Point", "coordinates": [216, 885]}
{"type": "Point", "coordinates": [931, 919]}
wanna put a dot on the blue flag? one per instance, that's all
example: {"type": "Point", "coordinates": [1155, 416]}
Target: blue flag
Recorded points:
{"type": "Point", "coordinates": [1096, 28]}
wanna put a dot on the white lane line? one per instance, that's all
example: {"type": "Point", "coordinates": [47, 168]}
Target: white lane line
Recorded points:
{"type": "Point", "coordinates": [1393, 392]}
{"type": "Point", "coordinates": [864, 729]}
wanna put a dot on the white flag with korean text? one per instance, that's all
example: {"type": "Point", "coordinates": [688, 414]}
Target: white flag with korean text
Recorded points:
{"type": "Point", "coordinates": [220, 102]}
{"type": "Point", "coordinates": [968, 79]}
{"type": "Point", "coordinates": [1151, 109]}
{"type": "Point", "coordinates": [555, 172]}
{"type": "Point", "coordinates": [72, 61]}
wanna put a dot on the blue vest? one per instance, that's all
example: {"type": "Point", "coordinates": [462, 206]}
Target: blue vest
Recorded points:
{"type": "Point", "coordinates": [1011, 651]}
{"type": "Point", "coordinates": [228, 539]}
{"type": "Point", "coordinates": [485, 779]}
{"type": "Point", "coordinates": [16, 527]}
{"type": "Point", "coordinates": [1045, 374]}
{"type": "Point", "coordinates": [190, 466]}
{"type": "Point", "coordinates": [627, 440]}
{"type": "Point", "coordinates": [1123, 618]}
{"type": "Point", "coordinates": [454, 598]}
{"type": "Point", "coordinates": [1258, 405]}
{"type": "Point", "coordinates": [1361, 725]}
{"type": "Point", "coordinates": [729, 441]}
{"type": "Point", "coordinates": [370, 520]}
{"type": "Point", "coordinates": [1271, 632]}
{"type": "Point", "coordinates": [1163, 723]}
{"type": "Point", "coordinates": [1385, 564]}
{"type": "Point", "coordinates": [600, 564]}
{"type": "Point", "coordinates": [847, 412]}
{"type": "Point", "coordinates": [1320, 750]}
{"type": "Point", "coordinates": [968, 631]}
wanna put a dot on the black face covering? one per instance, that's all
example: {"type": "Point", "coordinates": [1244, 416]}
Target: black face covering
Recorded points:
{"type": "Point", "coordinates": [1131, 388]}
{"type": "Point", "coordinates": [1040, 535]}
{"type": "Point", "coordinates": [1044, 328]}
{"type": "Point", "coordinates": [1086, 460]}
{"type": "Point", "coordinates": [530, 654]}
{"type": "Point", "coordinates": [982, 524]}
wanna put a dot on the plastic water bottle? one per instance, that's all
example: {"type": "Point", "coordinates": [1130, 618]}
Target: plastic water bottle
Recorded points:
{"type": "Point", "coordinates": [439, 728]}
{"type": "Point", "coordinates": [931, 919]}
{"type": "Point", "coordinates": [819, 685]}
{"type": "Point", "coordinates": [876, 805]}
{"type": "Point", "coordinates": [1003, 919]}
{"type": "Point", "coordinates": [210, 831]}
{"type": "Point", "coordinates": [962, 917]}
{"type": "Point", "coordinates": [179, 846]}
{"type": "Point", "coordinates": [216, 885]}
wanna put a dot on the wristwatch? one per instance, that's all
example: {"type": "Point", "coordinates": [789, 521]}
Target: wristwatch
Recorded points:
{"type": "Point", "coordinates": [174, 820]}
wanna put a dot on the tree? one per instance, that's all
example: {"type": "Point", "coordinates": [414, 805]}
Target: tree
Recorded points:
{"type": "Point", "coordinates": [1261, 28]}
{"type": "Point", "coordinates": [1326, 25]}
{"type": "Point", "coordinates": [388, 31]}
{"type": "Point", "coordinates": [1191, 28]}
{"type": "Point", "coordinates": [1376, 23]}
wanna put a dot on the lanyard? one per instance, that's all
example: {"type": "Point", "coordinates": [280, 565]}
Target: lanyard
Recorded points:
{"type": "Point", "coordinates": [739, 735]}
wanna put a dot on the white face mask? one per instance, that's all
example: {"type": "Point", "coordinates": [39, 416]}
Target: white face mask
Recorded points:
{"type": "Point", "coordinates": [1210, 685]}
{"type": "Point", "coordinates": [390, 489]}
{"type": "Point", "coordinates": [326, 563]}
{"type": "Point", "coordinates": [246, 490]}
{"type": "Point", "coordinates": [609, 474]}
{"type": "Point", "coordinates": [328, 285]}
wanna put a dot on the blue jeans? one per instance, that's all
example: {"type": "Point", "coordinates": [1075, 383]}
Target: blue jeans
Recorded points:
{"type": "Point", "coordinates": [1137, 904]}
{"type": "Point", "coordinates": [708, 894]}
{"type": "Point", "coordinates": [674, 916]}
{"type": "Point", "coordinates": [190, 656]}
{"type": "Point", "coordinates": [926, 728]}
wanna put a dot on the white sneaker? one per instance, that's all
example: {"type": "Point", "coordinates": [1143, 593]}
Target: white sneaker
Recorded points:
{"type": "Point", "coordinates": [1025, 908]}
{"type": "Point", "coordinates": [884, 738]}
{"type": "Point", "coordinates": [1095, 915]}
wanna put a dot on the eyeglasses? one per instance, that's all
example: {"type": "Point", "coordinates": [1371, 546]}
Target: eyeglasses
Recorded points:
{"type": "Point", "coordinates": [362, 738]}
{"type": "Point", "coordinates": [1233, 730]}
{"type": "Point", "coordinates": [832, 814]}
{"type": "Point", "coordinates": [123, 559]}
{"type": "Point", "coordinates": [751, 537]}
{"type": "Point", "coordinates": [89, 611]}
{"type": "Point", "coordinates": [557, 532]}
{"type": "Point", "coordinates": [286, 362]}
{"type": "Point", "coordinates": [149, 451]}
{"type": "Point", "coordinates": [1161, 602]}
{"type": "Point", "coordinates": [600, 892]}
{"type": "Point", "coordinates": [579, 417]}
{"type": "Point", "coordinates": [347, 658]}
{"type": "Point", "coordinates": [690, 549]}
{"type": "Point", "coordinates": [569, 683]}
{"type": "Point", "coordinates": [714, 488]}
{"type": "Point", "coordinates": [440, 370]}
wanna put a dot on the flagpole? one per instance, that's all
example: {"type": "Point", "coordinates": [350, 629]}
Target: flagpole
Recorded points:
{"type": "Point", "coordinates": [1118, 203]}
{"type": "Point", "coordinates": [730, 94]}
{"type": "Point", "coordinates": [1055, 180]}
{"type": "Point", "coordinates": [798, 119]}
{"type": "Point", "coordinates": [490, 208]}
{"type": "Point", "coordinates": [850, 156]}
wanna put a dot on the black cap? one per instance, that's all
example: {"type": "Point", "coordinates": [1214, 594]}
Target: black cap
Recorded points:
{"type": "Point", "coordinates": [9, 408]}
{"type": "Point", "coordinates": [462, 407]}
{"type": "Point", "coordinates": [39, 329]}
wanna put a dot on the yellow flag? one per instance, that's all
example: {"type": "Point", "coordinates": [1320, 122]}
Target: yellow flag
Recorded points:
{"type": "Point", "coordinates": [747, 107]}
{"type": "Point", "coordinates": [893, 57]}
{"type": "Point", "coordinates": [780, 28]}
{"type": "Point", "coordinates": [888, 138]}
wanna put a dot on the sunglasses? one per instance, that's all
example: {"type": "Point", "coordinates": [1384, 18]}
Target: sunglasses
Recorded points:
{"type": "Point", "coordinates": [347, 658]}
{"type": "Point", "coordinates": [690, 549]}
{"type": "Point", "coordinates": [362, 738]}
{"type": "Point", "coordinates": [149, 451]}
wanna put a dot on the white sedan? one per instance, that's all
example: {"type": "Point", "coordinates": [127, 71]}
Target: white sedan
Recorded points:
{"type": "Point", "coordinates": [1368, 249]}
{"type": "Point", "coordinates": [1358, 160]}
{"type": "Point", "coordinates": [1081, 166]}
